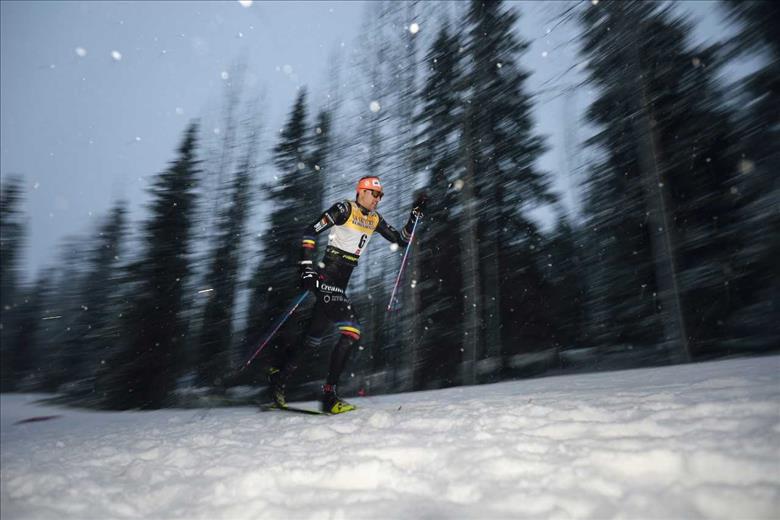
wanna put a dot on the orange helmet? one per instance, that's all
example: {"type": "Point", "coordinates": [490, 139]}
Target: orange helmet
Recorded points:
{"type": "Point", "coordinates": [369, 183]}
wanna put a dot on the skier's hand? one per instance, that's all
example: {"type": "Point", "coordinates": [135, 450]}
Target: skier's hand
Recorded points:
{"type": "Point", "coordinates": [418, 208]}
{"type": "Point", "coordinates": [310, 280]}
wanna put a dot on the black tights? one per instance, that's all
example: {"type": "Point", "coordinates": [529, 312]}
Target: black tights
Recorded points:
{"type": "Point", "coordinates": [338, 357]}
{"type": "Point", "coordinates": [332, 308]}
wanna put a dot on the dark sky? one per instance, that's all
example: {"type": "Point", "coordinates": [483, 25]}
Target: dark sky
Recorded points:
{"type": "Point", "coordinates": [95, 96]}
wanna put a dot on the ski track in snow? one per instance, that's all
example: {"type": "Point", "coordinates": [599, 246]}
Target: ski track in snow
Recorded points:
{"type": "Point", "coordinates": [690, 441]}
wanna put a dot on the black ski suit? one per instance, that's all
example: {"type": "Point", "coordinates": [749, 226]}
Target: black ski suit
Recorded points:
{"type": "Point", "coordinates": [352, 227]}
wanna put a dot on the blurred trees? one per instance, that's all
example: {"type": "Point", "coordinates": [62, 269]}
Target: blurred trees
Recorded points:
{"type": "Point", "coordinates": [145, 366]}
{"type": "Point", "coordinates": [12, 235]}
{"type": "Point", "coordinates": [661, 206]}
{"type": "Point", "coordinates": [503, 149]}
{"type": "Point", "coordinates": [479, 147]}
{"type": "Point", "coordinates": [674, 258]}
{"type": "Point", "coordinates": [224, 275]}
{"type": "Point", "coordinates": [89, 303]}
{"type": "Point", "coordinates": [438, 153]}
{"type": "Point", "coordinates": [756, 187]}
{"type": "Point", "coordinates": [297, 201]}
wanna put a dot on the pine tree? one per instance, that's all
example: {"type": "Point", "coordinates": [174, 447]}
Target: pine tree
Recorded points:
{"type": "Point", "coordinates": [660, 202]}
{"type": "Point", "coordinates": [562, 259]}
{"type": "Point", "coordinates": [28, 369]}
{"type": "Point", "coordinates": [61, 347]}
{"type": "Point", "coordinates": [754, 327]}
{"type": "Point", "coordinates": [297, 197]}
{"type": "Point", "coordinates": [93, 303]}
{"type": "Point", "coordinates": [11, 242]}
{"type": "Point", "coordinates": [438, 153]}
{"type": "Point", "coordinates": [144, 371]}
{"type": "Point", "coordinates": [502, 152]}
{"type": "Point", "coordinates": [217, 327]}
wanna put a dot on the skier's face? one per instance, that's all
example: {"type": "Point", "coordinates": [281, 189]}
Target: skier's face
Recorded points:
{"type": "Point", "coordinates": [369, 199]}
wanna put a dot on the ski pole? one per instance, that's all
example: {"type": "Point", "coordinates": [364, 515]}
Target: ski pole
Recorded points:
{"type": "Point", "coordinates": [403, 264]}
{"type": "Point", "coordinates": [278, 326]}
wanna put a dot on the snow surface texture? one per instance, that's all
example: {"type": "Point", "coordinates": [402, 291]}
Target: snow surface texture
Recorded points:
{"type": "Point", "coordinates": [693, 441]}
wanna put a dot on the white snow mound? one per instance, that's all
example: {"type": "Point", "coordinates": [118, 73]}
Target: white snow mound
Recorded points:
{"type": "Point", "coordinates": [691, 441]}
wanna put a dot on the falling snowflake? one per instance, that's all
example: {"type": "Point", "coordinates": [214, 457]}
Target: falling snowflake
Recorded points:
{"type": "Point", "coordinates": [245, 3]}
{"type": "Point", "coordinates": [374, 106]}
{"type": "Point", "coordinates": [224, 75]}
{"type": "Point", "coordinates": [746, 166]}
{"type": "Point", "coordinates": [116, 55]}
{"type": "Point", "coordinates": [81, 52]}
{"type": "Point", "coordinates": [414, 28]}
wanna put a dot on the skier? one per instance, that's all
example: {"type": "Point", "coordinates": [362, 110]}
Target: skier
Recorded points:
{"type": "Point", "coordinates": [352, 223]}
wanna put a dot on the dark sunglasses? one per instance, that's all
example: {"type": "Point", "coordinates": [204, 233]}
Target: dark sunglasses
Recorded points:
{"type": "Point", "coordinates": [377, 194]}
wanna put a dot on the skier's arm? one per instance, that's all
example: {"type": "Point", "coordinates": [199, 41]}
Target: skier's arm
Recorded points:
{"type": "Point", "coordinates": [393, 235]}
{"type": "Point", "coordinates": [402, 238]}
{"type": "Point", "coordinates": [336, 215]}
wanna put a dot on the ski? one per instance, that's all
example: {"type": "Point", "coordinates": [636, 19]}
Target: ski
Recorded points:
{"type": "Point", "coordinates": [274, 408]}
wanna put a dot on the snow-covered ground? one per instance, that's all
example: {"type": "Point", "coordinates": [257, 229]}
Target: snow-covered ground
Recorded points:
{"type": "Point", "coordinates": [694, 441]}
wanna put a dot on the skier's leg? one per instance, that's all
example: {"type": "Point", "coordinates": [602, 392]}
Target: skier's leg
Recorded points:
{"type": "Point", "coordinates": [279, 374]}
{"type": "Point", "coordinates": [339, 358]}
{"type": "Point", "coordinates": [349, 335]}
{"type": "Point", "coordinates": [311, 338]}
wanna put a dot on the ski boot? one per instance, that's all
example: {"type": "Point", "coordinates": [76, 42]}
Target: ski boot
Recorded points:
{"type": "Point", "coordinates": [276, 387]}
{"type": "Point", "coordinates": [332, 403]}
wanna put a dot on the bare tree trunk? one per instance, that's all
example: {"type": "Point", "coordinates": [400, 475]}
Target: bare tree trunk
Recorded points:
{"type": "Point", "coordinates": [470, 262]}
{"type": "Point", "coordinates": [657, 211]}
{"type": "Point", "coordinates": [491, 302]}
{"type": "Point", "coordinates": [412, 330]}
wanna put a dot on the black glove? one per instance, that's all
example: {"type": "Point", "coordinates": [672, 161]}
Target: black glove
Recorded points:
{"type": "Point", "coordinates": [418, 208]}
{"type": "Point", "coordinates": [310, 280]}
